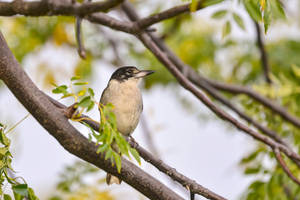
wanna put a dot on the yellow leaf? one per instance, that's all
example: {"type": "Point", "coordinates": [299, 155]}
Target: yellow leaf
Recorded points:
{"type": "Point", "coordinates": [193, 5]}
{"type": "Point", "coordinates": [82, 92]}
{"type": "Point", "coordinates": [296, 70]}
{"type": "Point", "coordinates": [262, 4]}
{"type": "Point", "coordinates": [60, 35]}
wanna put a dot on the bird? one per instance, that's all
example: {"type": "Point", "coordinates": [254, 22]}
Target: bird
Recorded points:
{"type": "Point", "coordinates": [123, 92]}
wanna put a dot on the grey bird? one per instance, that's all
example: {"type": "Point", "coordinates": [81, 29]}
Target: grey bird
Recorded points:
{"type": "Point", "coordinates": [123, 92]}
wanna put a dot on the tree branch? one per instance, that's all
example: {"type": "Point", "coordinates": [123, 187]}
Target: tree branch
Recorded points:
{"type": "Point", "coordinates": [236, 89]}
{"type": "Point", "coordinates": [78, 33]}
{"type": "Point", "coordinates": [54, 7]}
{"type": "Point", "coordinates": [263, 53]}
{"type": "Point", "coordinates": [172, 12]}
{"type": "Point", "coordinates": [113, 23]}
{"type": "Point", "coordinates": [284, 166]}
{"type": "Point", "coordinates": [73, 141]}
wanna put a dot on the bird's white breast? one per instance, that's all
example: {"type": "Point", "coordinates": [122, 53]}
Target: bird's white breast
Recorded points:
{"type": "Point", "coordinates": [127, 101]}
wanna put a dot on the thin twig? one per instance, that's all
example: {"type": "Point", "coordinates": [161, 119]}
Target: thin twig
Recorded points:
{"type": "Point", "coordinates": [284, 166]}
{"type": "Point", "coordinates": [192, 196]}
{"type": "Point", "coordinates": [263, 53]}
{"type": "Point", "coordinates": [19, 122]}
{"type": "Point", "coordinates": [167, 14]}
{"type": "Point", "coordinates": [78, 33]}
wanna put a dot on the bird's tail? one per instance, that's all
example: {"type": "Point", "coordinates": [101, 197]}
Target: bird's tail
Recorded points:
{"type": "Point", "coordinates": [110, 179]}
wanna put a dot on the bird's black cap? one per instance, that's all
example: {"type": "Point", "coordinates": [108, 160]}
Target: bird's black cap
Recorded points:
{"type": "Point", "coordinates": [126, 72]}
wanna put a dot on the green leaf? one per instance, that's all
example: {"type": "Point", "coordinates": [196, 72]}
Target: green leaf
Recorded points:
{"type": "Point", "coordinates": [91, 92]}
{"type": "Point", "coordinates": [211, 2]}
{"type": "Point", "coordinates": [267, 16]}
{"type": "Point", "coordinates": [61, 89]}
{"type": "Point", "coordinates": [7, 197]}
{"type": "Point", "coordinates": [135, 154]}
{"type": "Point", "coordinates": [75, 78]}
{"type": "Point", "coordinates": [110, 137]}
{"type": "Point", "coordinates": [118, 161]}
{"type": "Point", "coordinates": [3, 151]}
{"type": "Point", "coordinates": [253, 10]}
{"type": "Point", "coordinates": [122, 144]}
{"type": "Point", "coordinates": [67, 95]}
{"type": "Point", "coordinates": [91, 106]}
{"type": "Point", "coordinates": [279, 8]}
{"type": "Point", "coordinates": [21, 189]}
{"type": "Point", "coordinates": [31, 195]}
{"type": "Point", "coordinates": [3, 139]}
{"type": "Point", "coordinates": [219, 14]}
{"type": "Point", "coordinates": [250, 157]}
{"type": "Point", "coordinates": [239, 21]}
{"type": "Point", "coordinates": [81, 83]}
{"type": "Point", "coordinates": [226, 29]}
{"type": "Point", "coordinates": [252, 170]}
{"type": "Point", "coordinates": [108, 153]}
{"type": "Point", "coordinates": [85, 102]}
{"type": "Point", "coordinates": [102, 148]}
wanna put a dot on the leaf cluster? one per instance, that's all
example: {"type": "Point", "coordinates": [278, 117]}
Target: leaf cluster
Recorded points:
{"type": "Point", "coordinates": [20, 190]}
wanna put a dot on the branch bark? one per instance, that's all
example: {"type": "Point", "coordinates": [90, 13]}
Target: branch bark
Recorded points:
{"type": "Point", "coordinates": [54, 7]}
{"type": "Point", "coordinates": [52, 119]}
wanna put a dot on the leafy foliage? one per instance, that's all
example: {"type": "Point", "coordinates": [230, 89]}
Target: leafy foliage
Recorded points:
{"type": "Point", "coordinates": [20, 190]}
{"type": "Point", "coordinates": [265, 10]}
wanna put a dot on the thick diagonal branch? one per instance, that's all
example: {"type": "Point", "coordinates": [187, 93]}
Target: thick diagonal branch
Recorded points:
{"type": "Point", "coordinates": [52, 119]}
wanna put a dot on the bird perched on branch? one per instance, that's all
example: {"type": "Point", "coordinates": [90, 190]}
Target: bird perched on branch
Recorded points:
{"type": "Point", "coordinates": [123, 92]}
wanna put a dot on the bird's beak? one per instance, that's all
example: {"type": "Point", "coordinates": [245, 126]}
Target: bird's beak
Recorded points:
{"type": "Point", "coordinates": [143, 73]}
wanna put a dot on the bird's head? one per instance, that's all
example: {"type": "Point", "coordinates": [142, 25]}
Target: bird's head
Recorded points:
{"type": "Point", "coordinates": [129, 73]}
